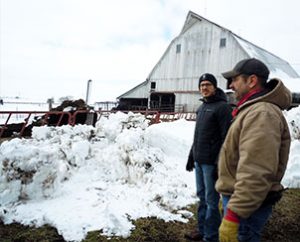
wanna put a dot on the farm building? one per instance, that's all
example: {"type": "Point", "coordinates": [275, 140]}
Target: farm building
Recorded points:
{"type": "Point", "coordinates": [202, 46]}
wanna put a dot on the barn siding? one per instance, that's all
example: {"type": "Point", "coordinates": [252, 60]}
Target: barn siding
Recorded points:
{"type": "Point", "coordinates": [190, 102]}
{"type": "Point", "coordinates": [200, 52]}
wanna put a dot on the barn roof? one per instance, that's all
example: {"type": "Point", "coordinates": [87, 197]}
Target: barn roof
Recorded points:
{"type": "Point", "coordinates": [274, 63]}
{"type": "Point", "coordinates": [129, 91]}
{"type": "Point", "coordinates": [278, 67]}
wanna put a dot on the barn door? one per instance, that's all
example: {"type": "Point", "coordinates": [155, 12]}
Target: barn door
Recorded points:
{"type": "Point", "coordinates": [164, 102]}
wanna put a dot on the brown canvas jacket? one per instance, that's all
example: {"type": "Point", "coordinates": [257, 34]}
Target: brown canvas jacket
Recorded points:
{"type": "Point", "coordinates": [255, 152]}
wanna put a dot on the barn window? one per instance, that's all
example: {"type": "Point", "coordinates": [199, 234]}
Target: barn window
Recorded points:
{"type": "Point", "coordinates": [178, 48]}
{"type": "Point", "coordinates": [153, 85]}
{"type": "Point", "coordinates": [222, 42]}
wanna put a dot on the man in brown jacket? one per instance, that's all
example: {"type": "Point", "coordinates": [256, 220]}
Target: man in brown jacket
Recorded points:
{"type": "Point", "coordinates": [254, 155]}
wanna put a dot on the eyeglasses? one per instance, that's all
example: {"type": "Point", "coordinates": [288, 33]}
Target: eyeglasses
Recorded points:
{"type": "Point", "coordinates": [205, 85]}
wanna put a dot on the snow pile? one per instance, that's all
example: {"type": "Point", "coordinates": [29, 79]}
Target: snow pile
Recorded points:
{"type": "Point", "coordinates": [82, 178]}
{"type": "Point", "coordinates": [292, 174]}
{"type": "Point", "coordinates": [85, 178]}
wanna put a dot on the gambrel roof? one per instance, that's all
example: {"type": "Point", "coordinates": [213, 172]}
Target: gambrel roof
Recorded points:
{"type": "Point", "coordinates": [278, 67]}
{"type": "Point", "coordinates": [274, 63]}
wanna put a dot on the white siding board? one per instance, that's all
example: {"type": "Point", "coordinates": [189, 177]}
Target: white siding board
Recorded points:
{"type": "Point", "coordinates": [200, 53]}
{"type": "Point", "coordinates": [190, 102]}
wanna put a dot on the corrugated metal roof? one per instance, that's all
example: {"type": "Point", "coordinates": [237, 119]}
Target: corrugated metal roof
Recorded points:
{"type": "Point", "coordinates": [274, 63]}
{"type": "Point", "coordinates": [139, 85]}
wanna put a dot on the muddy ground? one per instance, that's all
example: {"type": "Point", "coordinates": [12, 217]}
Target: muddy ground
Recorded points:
{"type": "Point", "coordinates": [284, 226]}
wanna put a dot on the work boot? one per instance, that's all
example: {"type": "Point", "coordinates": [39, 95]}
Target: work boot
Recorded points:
{"type": "Point", "coordinates": [194, 236]}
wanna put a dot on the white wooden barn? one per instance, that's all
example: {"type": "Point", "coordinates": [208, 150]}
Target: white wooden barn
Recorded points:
{"type": "Point", "coordinates": [202, 46]}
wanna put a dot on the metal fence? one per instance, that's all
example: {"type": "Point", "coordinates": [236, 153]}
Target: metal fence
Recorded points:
{"type": "Point", "coordinates": [20, 123]}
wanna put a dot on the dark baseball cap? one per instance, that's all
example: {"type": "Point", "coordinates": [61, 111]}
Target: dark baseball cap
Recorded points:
{"type": "Point", "coordinates": [248, 67]}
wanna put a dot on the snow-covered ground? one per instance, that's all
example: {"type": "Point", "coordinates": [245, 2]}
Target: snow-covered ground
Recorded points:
{"type": "Point", "coordinates": [82, 178]}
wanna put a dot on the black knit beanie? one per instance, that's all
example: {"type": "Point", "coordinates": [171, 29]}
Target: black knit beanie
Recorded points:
{"type": "Point", "coordinates": [208, 77]}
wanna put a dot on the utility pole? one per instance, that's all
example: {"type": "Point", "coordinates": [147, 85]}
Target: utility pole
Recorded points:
{"type": "Point", "coordinates": [88, 91]}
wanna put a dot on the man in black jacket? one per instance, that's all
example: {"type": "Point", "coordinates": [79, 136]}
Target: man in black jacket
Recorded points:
{"type": "Point", "coordinates": [213, 121]}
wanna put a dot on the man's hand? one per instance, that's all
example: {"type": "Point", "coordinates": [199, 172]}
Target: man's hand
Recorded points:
{"type": "Point", "coordinates": [228, 231]}
{"type": "Point", "coordinates": [190, 163]}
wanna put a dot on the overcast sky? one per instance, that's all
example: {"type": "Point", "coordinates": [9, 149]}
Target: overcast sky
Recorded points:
{"type": "Point", "coordinates": [51, 48]}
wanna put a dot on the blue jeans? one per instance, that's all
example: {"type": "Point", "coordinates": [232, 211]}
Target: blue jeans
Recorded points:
{"type": "Point", "coordinates": [250, 229]}
{"type": "Point", "coordinates": [209, 218]}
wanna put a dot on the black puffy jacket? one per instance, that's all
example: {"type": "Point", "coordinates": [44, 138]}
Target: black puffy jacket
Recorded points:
{"type": "Point", "coordinates": [213, 121]}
